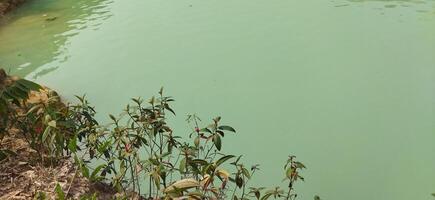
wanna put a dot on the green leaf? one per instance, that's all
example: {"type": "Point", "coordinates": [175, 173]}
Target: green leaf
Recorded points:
{"type": "Point", "coordinates": [205, 130]}
{"type": "Point", "coordinates": [223, 159]}
{"type": "Point", "coordinates": [72, 145]}
{"type": "Point", "coordinates": [227, 128]}
{"type": "Point", "coordinates": [59, 192]}
{"type": "Point", "coordinates": [112, 117]}
{"type": "Point", "coordinates": [17, 92]}
{"type": "Point", "coordinates": [266, 196]}
{"type": "Point", "coordinates": [77, 160]}
{"type": "Point", "coordinates": [40, 196]}
{"type": "Point", "coordinates": [156, 179]}
{"type": "Point", "coordinates": [95, 172]}
{"type": "Point", "coordinates": [257, 194]}
{"type": "Point", "coordinates": [196, 141]}
{"type": "Point", "coordinates": [182, 165]}
{"type": "Point", "coordinates": [289, 172]}
{"type": "Point", "coordinates": [199, 161]}
{"type": "Point", "coordinates": [169, 108]}
{"type": "Point", "coordinates": [137, 101]}
{"type": "Point", "coordinates": [46, 133]}
{"type": "Point", "coordinates": [239, 181]}
{"type": "Point", "coordinates": [220, 133]}
{"type": "Point", "coordinates": [246, 173]}
{"type": "Point", "coordinates": [164, 155]}
{"type": "Point", "coordinates": [11, 95]}
{"type": "Point", "coordinates": [217, 141]}
{"type": "Point", "coordinates": [237, 160]}
{"type": "Point", "coordinates": [28, 84]}
{"type": "Point", "coordinates": [299, 165]}
{"type": "Point", "coordinates": [161, 91]}
{"type": "Point", "coordinates": [85, 171]}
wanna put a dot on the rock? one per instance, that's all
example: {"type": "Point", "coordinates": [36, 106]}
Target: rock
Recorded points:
{"type": "Point", "coordinates": [51, 19]}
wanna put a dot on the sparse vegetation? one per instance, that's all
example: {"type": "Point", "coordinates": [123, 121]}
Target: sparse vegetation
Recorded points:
{"type": "Point", "coordinates": [138, 153]}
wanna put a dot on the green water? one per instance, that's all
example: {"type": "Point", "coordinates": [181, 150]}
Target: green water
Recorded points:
{"type": "Point", "coordinates": [347, 86]}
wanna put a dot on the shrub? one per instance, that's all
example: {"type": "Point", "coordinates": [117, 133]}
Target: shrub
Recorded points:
{"type": "Point", "coordinates": [138, 148]}
{"type": "Point", "coordinates": [13, 92]}
{"type": "Point", "coordinates": [138, 152]}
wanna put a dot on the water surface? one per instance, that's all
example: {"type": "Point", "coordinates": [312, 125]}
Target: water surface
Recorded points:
{"type": "Point", "coordinates": [347, 86]}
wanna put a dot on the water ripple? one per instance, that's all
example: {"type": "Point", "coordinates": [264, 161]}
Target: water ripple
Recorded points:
{"type": "Point", "coordinates": [54, 23]}
{"type": "Point", "coordinates": [419, 6]}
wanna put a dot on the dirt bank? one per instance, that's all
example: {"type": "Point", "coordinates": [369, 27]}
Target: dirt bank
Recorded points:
{"type": "Point", "coordinates": [23, 178]}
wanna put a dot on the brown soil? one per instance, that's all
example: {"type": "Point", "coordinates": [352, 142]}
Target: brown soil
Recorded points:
{"type": "Point", "coordinates": [22, 177]}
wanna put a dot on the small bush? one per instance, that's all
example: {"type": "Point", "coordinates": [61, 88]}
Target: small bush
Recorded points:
{"type": "Point", "coordinates": [137, 153]}
{"type": "Point", "coordinates": [138, 149]}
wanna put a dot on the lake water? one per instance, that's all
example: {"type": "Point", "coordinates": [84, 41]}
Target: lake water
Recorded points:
{"type": "Point", "coordinates": [346, 85]}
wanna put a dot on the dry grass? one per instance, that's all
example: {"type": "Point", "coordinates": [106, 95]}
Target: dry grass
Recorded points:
{"type": "Point", "coordinates": [22, 176]}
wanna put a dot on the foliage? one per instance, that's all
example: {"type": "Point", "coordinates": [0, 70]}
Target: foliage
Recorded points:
{"type": "Point", "coordinates": [12, 95]}
{"type": "Point", "coordinates": [47, 124]}
{"type": "Point", "coordinates": [138, 152]}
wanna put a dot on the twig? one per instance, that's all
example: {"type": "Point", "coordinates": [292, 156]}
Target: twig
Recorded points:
{"type": "Point", "coordinates": [72, 181]}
